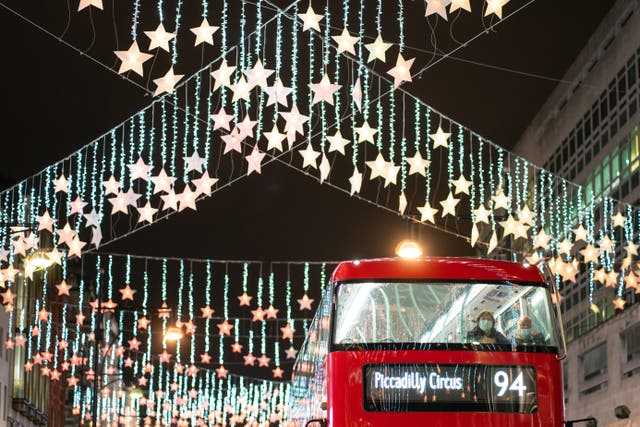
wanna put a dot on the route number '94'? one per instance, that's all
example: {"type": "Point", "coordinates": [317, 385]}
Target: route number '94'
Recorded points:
{"type": "Point", "coordinates": [503, 381]}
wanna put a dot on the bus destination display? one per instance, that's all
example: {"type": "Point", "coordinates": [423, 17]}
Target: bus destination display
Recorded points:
{"type": "Point", "coordinates": [450, 388]}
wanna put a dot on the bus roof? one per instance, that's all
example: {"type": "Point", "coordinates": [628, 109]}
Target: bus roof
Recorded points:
{"type": "Point", "coordinates": [437, 268]}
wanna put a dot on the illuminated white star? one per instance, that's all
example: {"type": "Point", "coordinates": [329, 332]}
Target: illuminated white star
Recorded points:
{"type": "Point", "coordinates": [146, 213]}
{"type": "Point", "coordinates": [402, 71]}
{"type": "Point", "coordinates": [277, 93]}
{"type": "Point", "coordinates": [437, 6]}
{"type": "Point", "coordinates": [324, 90]}
{"type": "Point", "coordinates": [417, 164]}
{"type": "Point", "coordinates": [337, 142]}
{"type": "Point", "coordinates": [77, 206]}
{"type": "Point", "coordinates": [427, 213]}
{"type": "Point", "coordinates": [462, 185]}
{"type": "Point", "coordinates": [366, 133]}
{"type": "Point", "coordinates": [221, 119]}
{"type": "Point", "coordinates": [61, 184]}
{"type": "Point", "coordinates": [132, 59]}
{"type": "Point", "coordinates": [581, 233]}
{"type": "Point", "coordinates": [204, 33]}
{"type": "Point", "coordinates": [495, 7]}
{"type": "Point", "coordinates": [377, 49]}
{"type": "Point", "coordinates": [309, 156]}
{"type": "Point", "coordinates": [159, 38]}
{"type": "Point", "coordinates": [222, 75]}
{"type": "Point", "coordinates": [86, 3]}
{"type": "Point", "coordinates": [481, 214]}
{"type": "Point", "coordinates": [274, 138]}
{"type": "Point", "coordinates": [254, 161]}
{"type": "Point", "coordinates": [310, 19]}
{"type": "Point", "coordinates": [440, 138]}
{"type": "Point", "coordinates": [295, 121]}
{"type": "Point", "coordinates": [449, 205]}
{"type": "Point", "coordinates": [355, 181]}
{"type": "Point", "coordinates": [346, 42]}
{"type": "Point", "coordinates": [257, 76]}
{"type": "Point", "coordinates": [204, 184]}
{"type": "Point", "coordinates": [460, 4]}
{"type": "Point", "coordinates": [139, 170]}
{"type": "Point", "coordinates": [194, 162]}
{"type": "Point", "coordinates": [241, 90]}
{"type": "Point", "coordinates": [162, 182]}
{"type": "Point", "coordinates": [167, 82]}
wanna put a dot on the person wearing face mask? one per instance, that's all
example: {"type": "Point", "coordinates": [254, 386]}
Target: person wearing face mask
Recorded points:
{"type": "Point", "coordinates": [485, 331]}
{"type": "Point", "coordinates": [526, 335]}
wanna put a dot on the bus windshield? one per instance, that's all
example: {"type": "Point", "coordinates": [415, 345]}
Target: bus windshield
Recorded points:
{"type": "Point", "coordinates": [445, 313]}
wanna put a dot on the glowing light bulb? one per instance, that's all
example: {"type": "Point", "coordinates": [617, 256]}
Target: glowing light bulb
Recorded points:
{"type": "Point", "coordinates": [408, 249]}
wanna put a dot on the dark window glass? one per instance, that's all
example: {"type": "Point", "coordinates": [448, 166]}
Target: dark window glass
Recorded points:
{"type": "Point", "coordinates": [635, 179]}
{"type": "Point", "coordinates": [579, 139]}
{"type": "Point", "coordinates": [575, 298]}
{"type": "Point", "coordinates": [633, 106]}
{"type": "Point", "coordinates": [587, 128]}
{"type": "Point", "coordinates": [595, 117]}
{"type": "Point", "coordinates": [613, 96]}
{"type": "Point", "coordinates": [580, 160]}
{"type": "Point", "coordinates": [604, 138]}
{"type": "Point", "coordinates": [583, 293]}
{"type": "Point", "coordinates": [594, 361]}
{"type": "Point", "coordinates": [631, 75]}
{"type": "Point", "coordinates": [587, 157]}
{"type": "Point", "coordinates": [558, 163]}
{"type": "Point", "coordinates": [624, 189]}
{"type": "Point", "coordinates": [568, 303]}
{"type": "Point", "coordinates": [604, 110]}
{"type": "Point", "coordinates": [622, 84]}
{"type": "Point", "coordinates": [565, 153]}
{"type": "Point", "coordinates": [623, 117]}
{"type": "Point", "coordinates": [613, 128]}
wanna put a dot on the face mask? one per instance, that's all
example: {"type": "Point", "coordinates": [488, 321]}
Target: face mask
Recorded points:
{"type": "Point", "coordinates": [525, 333]}
{"type": "Point", "coordinates": [485, 325]}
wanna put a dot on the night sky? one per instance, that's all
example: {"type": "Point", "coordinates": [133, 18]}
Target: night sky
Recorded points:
{"type": "Point", "coordinates": [56, 100]}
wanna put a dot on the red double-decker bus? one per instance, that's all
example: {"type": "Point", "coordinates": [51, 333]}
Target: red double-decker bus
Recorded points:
{"type": "Point", "coordinates": [435, 341]}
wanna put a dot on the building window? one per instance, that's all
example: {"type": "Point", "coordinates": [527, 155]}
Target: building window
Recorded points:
{"type": "Point", "coordinates": [632, 343]}
{"type": "Point", "coordinates": [594, 362]}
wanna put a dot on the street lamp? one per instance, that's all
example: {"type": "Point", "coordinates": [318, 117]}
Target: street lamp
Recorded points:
{"type": "Point", "coordinates": [39, 259]}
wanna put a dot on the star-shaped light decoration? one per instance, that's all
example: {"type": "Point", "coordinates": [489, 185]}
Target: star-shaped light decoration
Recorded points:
{"type": "Point", "coordinates": [310, 19]}
{"type": "Point", "coordinates": [390, 173]}
{"type": "Point", "coordinates": [221, 119]}
{"type": "Point", "coordinates": [631, 248]}
{"type": "Point", "coordinates": [324, 90]}
{"type": "Point", "coordinates": [291, 353]}
{"type": "Point", "coordinates": [590, 254]}
{"type": "Point", "coordinates": [45, 222]}
{"type": "Point", "coordinates": [236, 347]}
{"type": "Point", "coordinates": [86, 3]}
{"type": "Point", "coordinates": [75, 248]}
{"type": "Point", "coordinates": [500, 200]}
{"type": "Point", "coordinates": [324, 168]}
{"type": "Point", "coordinates": [263, 361]}
{"type": "Point", "coordinates": [166, 83]}
{"type": "Point", "coordinates": [164, 357]}
{"type": "Point", "coordinates": [143, 323]}
{"type": "Point", "coordinates": [356, 181]}
{"type": "Point", "coordinates": [612, 279]}
{"type": "Point", "coordinates": [224, 328]}
{"type": "Point", "coordinates": [194, 162]}
{"type": "Point", "coordinates": [241, 90]}
{"type": "Point", "coordinates": [204, 184]}
{"type": "Point", "coordinates": [254, 161]}
{"type": "Point", "coordinates": [43, 315]}
{"type": "Point", "coordinates": [378, 167]}
{"type": "Point", "coordinates": [277, 93]}
{"type": "Point", "coordinates": [565, 246]}
{"type": "Point", "coordinates": [525, 215]}
{"type": "Point", "coordinates": [221, 372]}
{"type": "Point", "coordinates": [127, 292]}
{"type": "Point", "coordinates": [449, 205]}
{"type": "Point", "coordinates": [295, 122]}
{"type": "Point", "coordinates": [541, 240]}
{"type": "Point", "coordinates": [462, 185]}
{"type": "Point", "coordinates": [440, 138]}
{"type": "Point", "coordinates": [287, 331]}
{"type": "Point", "coordinates": [277, 373]}
{"type": "Point", "coordinates": [61, 184]}
{"type": "Point", "coordinates": [481, 214]}
{"type": "Point", "coordinates": [159, 38]}
{"type": "Point", "coordinates": [111, 186]}
{"type": "Point", "coordinates": [258, 315]}
{"type": "Point", "coordinates": [437, 7]}
{"type": "Point", "coordinates": [146, 213]}
{"type": "Point", "coordinates": [192, 371]}
{"type": "Point", "coordinates": [63, 288]}
{"type": "Point", "coordinates": [222, 76]}
{"type": "Point", "coordinates": [509, 226]}
{"type": "Point", "coordinates": [460, 4]}
{"type": "Point", "coordinates": [271, 312]}
{"type": "Point", "coordinates": [417, 164]}
{"type": "Point", "coordinates": [366, 133]}
{"type": "Point", "coordinates": [305, 302]}
{"type": "Point", "coordinates": [309, 156]}
{"type": "Point", "coordinates": [619, 220]}
{"type": "Point", "coordinates": [495, 7]}
{"type": "Point", "coordinates": [132, 59]}
{"type": "Point", "coordinates": [232, 141]}
{"type": "Point", "coordinates": [580, 233]}
{"type": "Point", "coordinates": [356, 93]}
{"type": "Point", "coordinates": [402, 71]}
{"type": "Point", "coordinates": [245, 127]}
{"type": "Point", "coordinates": [245, 299]}
{"type": "Point", "coordinates": [274, 138]}
{"type": "Point", "coordinates": [606, 244]}
{"type": "Point", "coordinates": [204, 33]}
{"type": "Point", "coordinates": [187, 199]}
{"type": "Point", "coordinates": [427, 213]}
{"type": "Point", "coordinates": [337, 142]}
{"type": "Point", "coordinates": [346, 42]}
{"type": "Point", "coordinates": [377, 49]}
{"type": "Point", "coordinates": [207, 312]}
{"type": "Point", "coordinates": [258, 75]}
{"type": "Point", "coordinates": [77, 206]}
{"type": "Point", "coordinates": [139, 170]}
{"type": "Point", "coordinates": [619, 303]}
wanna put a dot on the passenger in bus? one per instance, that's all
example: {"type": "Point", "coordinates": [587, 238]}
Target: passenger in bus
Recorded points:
{"type": "Point", "coordinates": [526, 335]}
{"type": "Point", "coordinates": [485, 331]}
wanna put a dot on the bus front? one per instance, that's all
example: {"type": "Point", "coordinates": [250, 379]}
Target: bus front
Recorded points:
{"type": "Point", "coordinates": [455, 342]}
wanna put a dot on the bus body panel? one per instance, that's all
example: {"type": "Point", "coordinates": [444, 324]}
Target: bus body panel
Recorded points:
{"type": "Point", "coordinates": [345, 407]}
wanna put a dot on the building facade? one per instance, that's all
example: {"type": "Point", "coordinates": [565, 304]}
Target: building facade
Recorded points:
{"type": "Point", "coordinates": [587, 132]}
